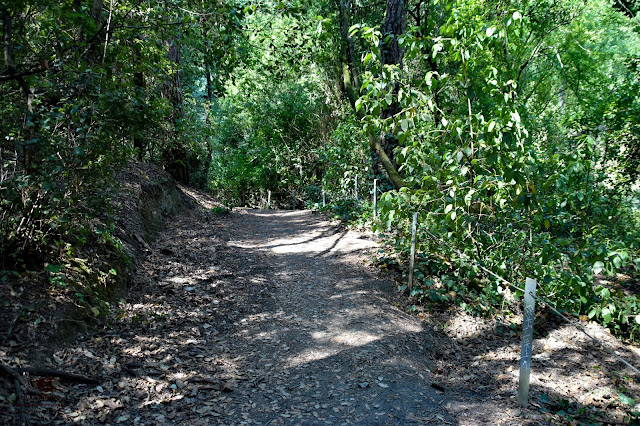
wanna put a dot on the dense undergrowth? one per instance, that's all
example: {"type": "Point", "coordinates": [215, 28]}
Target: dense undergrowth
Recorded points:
{"type": "Point", "coordinates": [510, 127]}
{"type": "Point", "coordinates": [597, 283]}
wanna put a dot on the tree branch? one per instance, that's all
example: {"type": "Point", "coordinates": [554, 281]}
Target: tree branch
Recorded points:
{"type": "Point", "coordinates": [70, 377]}
{"type": "Point", "coordinates": [10, 73]}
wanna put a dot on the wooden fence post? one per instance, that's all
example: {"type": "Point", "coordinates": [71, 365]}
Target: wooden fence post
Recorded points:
{"type": "Point", "coordinates": [356, 186]}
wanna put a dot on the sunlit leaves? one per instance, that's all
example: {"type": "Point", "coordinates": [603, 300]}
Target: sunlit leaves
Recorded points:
{"type": "Point", "coordinates": [493, 147]}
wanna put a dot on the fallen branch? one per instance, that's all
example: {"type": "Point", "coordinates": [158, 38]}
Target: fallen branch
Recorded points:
{"type": "Point", "coordinates": [13, 375]}
{"type": "Point", "coordinates": [70, 377]}
{"type": "Point", "coordinates": [7, 371]}
{"type": "Point", "coordinates": [20, 402]}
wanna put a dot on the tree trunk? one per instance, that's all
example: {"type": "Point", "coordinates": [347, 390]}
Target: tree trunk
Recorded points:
{"type": "Point", "coordinates": [174, 154]}
{"type": "Point", "coordinates": [351, 88]}
{"type": "Point", "coordinates": [391, 55]}
{"type": "Point", "coordinates": [209, 82]}
{"type": "Point", "coordinates": [350, 81]}
{"type": "Point", "coordinates": [140, 85]}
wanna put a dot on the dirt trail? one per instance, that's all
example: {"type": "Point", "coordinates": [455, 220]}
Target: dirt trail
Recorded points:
{"type": "Point", "coordinates": [264, 317]}
{"type": "Point", "coordinates": [277, 317]}
{"type": "Point", "coordinates": [330, 347]}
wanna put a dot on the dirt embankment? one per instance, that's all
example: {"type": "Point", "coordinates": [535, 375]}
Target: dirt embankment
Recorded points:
{"type": "Point", "coordinates": [44, 308]}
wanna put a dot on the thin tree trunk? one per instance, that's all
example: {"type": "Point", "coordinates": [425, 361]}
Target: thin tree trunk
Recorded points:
{"type": "Point", "coordinates": [140, 84]}
{"type": "Point", "coordinates": [174, 154]}
{"type": "Point", "coordinates": [209, 82]}
{"type": "Point", "coordinates": [350, 80]}
{"type": "Point", "coordinates": [351, 88]}
{"type": "Point", "coordinates": [391, 55]}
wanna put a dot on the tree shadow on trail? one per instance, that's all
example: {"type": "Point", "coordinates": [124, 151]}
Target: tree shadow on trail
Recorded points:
{"type": "Point", "coordinates": [228, 327]}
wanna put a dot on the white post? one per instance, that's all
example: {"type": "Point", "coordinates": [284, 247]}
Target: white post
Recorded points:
{"type": "Point", "coordinates": [375, 199]}
{"type": "Point", "coordinates": [269, 200]}
{"type": "Point", "coordinates": [527, 341]}
{"type": "Point", "coordinates": [324, 203]}
{"type": "Point", "coordinates": [357, 188]}
{"type": "Point", "coordinates": [412, 259]}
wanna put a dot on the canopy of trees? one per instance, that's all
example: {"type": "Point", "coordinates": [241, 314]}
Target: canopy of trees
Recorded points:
{"type": "Point", "coordinates": [512, 127]}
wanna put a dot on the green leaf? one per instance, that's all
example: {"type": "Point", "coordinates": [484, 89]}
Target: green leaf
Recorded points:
{"type": "Point", "coordinates": [598, 267]}
{"type": "Point", "coordinates": [617, 261]}
{"type": "Point", "coordinates": [626, 400]}
{"type": "Point", "coordinates": [547, 224]}
{"type": "Point", "coordinates": [404, 124]}
{"type": "Point", "coordinates": [448, 208]}
{"type": "Point", "coordinates": [54, 269]}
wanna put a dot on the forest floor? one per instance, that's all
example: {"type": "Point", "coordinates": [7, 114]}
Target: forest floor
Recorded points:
{"type": "Point", "coordinates": [279, 317]}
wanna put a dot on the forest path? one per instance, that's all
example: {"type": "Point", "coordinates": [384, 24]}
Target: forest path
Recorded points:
{"type": "Point", "coordinates": [260, 317]}
{"type": "Point", "coordinates": [265, 317]}
{"type": "Point", "coordinates": [328, 346]}
{"type": "Point", "coordinates": [270, 317]}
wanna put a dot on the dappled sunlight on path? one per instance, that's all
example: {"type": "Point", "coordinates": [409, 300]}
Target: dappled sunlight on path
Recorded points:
{"type": "Point", "coordinates": [265, 317]}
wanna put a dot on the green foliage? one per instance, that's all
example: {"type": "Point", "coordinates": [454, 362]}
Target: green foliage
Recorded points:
{"type": "Point", "coordinates": [346, 156]}
{"type": "Point", "coordinates": [505, 172]}
{"type": "Point", "coordinates": [273, 119]}
{"type": "Point", "coordinates": [219, 210]}
{"type": "Point", "coordinates": [85, 87]}
{"type": "Point", "coordinates": [516, 129]}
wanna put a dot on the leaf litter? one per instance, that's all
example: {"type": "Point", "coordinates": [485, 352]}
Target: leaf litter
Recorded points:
{"type": "Point", "coordinates": [276, 317]}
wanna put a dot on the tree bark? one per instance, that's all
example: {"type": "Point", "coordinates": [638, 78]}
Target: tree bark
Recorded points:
{"type": "Point", "coordinates": [209, 82]}
{"type": "Point", "coordinates": [392, 29]}
{"type": "Point", "coordinates": [140, 85]}
{"type": "Point", "coordinates": [389, 166]}
{"type": "Point", "coordinates": [391, 55]}
{"type": "Point", "coordinates": [351, 88]}
{"type": "Point", "coordinates": [350, 80]}
{"type": "Point", "coordinates": [174, 154]}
